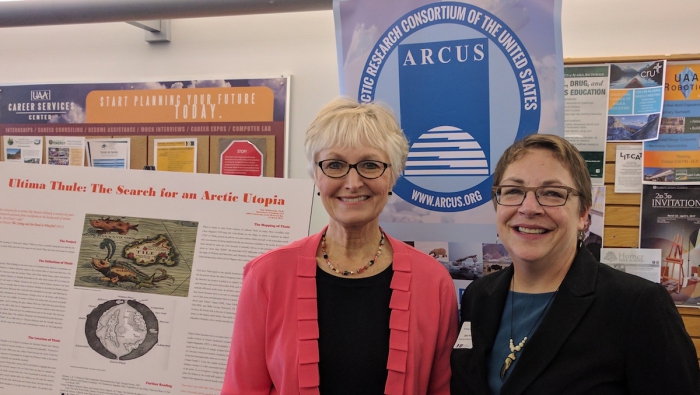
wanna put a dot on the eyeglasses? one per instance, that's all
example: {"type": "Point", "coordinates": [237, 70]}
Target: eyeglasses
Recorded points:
{"type": "Point", "coordinates": [370, 169]}
{"type": "Point", "coordinates": [547, 196]}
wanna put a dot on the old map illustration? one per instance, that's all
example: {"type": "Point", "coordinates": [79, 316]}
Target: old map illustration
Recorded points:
{"type": "Point", "coordinates": [121, 329]}
{"type": "Point", "coordinates": [136, 254]}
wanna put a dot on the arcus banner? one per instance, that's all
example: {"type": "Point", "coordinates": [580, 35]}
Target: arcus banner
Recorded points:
{"type": "Point", "coordinates": [465, 80]}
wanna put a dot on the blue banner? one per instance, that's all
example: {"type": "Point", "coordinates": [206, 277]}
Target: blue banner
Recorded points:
{"type": "Point", "coordinates": [465, 81]}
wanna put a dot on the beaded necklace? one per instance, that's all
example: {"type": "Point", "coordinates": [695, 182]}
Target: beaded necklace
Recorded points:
{"type": "Point", "coordinates": [350, 272]}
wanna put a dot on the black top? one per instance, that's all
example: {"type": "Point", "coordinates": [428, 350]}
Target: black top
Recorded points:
{"type": "Point", "coordinates": [606, 332]}
{"type": "Point", "coordinates": [353, 323]}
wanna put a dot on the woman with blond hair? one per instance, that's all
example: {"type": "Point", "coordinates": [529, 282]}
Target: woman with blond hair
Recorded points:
{"type": "Point", "coordinates": [349, 310]}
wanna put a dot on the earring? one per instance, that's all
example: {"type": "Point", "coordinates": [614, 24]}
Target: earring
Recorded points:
{"type": "Point", "coordinates": [497, 241]}
{"type": "Point", "coordinates": [581, 235]}
{"type": "Point", "coordinates": [318, 193]}
{"type": "Point", "coordinates": [391, 193]}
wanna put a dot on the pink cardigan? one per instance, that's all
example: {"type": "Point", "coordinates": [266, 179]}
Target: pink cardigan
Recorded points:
{"type": "Point", "coordinates": [274, 349]}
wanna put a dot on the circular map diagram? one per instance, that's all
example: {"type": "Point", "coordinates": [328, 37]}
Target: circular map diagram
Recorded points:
{"type": "Point", "coordinates": [121, 329]}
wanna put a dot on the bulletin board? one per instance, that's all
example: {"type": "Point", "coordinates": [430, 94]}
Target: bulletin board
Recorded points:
{"type": "Point", "coordinates": [622, 210]}
{"type": "Point", "coordinates": [205, 111]}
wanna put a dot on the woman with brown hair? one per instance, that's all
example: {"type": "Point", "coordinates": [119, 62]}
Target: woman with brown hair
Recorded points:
{"type": "Point", "coordinates": [558, 321]}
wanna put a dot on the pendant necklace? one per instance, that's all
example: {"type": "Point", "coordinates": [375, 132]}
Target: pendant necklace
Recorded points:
{"type": "Point", "coordinates": [351, 272]}
{"type": "Point", "coordinates": [513, 348]}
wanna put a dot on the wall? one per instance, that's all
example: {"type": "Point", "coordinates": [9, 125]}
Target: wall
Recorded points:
{"type": "Point", "coordinates": [298, 44]}
{"type": "Point", "coordinates": [614, 28]}
{"type": "Point", "coordinates": [303, 46]}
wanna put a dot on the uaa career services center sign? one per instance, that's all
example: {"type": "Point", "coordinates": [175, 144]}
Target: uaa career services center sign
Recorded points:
{"type": "Point", "coordinates": [467, 89]}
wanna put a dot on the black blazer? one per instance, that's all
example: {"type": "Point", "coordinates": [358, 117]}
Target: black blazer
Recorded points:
{"type": "Point", "coordinates": [606, 332]}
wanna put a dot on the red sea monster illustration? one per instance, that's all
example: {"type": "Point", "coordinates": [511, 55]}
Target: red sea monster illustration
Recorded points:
{"type": "Point", "coordinates": [107, 225]}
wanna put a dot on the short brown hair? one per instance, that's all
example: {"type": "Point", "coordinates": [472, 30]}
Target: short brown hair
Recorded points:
{"type": "Point", "coordinates": [562, 150]}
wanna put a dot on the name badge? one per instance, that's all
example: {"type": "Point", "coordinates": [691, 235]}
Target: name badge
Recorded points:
{"type": "Point", "coordinates": [464, 340]}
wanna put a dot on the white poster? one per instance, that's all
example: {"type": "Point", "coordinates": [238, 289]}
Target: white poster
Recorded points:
{"type": "Point", "coordinates": [112, 153]}
{"type": "Point", "coordinates": [642, 262]}
{"type": "Point", "coordinates": [628, 168]}
{"type": "Point", "coordinates": [126, 282]}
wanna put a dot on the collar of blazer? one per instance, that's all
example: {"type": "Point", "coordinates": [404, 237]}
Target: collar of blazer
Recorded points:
{"type": "Point", "coordinates": [576, 294]}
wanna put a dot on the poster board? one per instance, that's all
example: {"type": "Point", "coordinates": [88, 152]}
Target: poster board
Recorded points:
{"type": "Point", "coordinates": [622, 218]}
{"type": "Point", "coordinates": [129, 279]}
{"type": "Point", "coordinates": [147, 110]}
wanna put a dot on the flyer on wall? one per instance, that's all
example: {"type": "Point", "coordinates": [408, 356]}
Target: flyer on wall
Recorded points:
{"type": "Point", "coordinates": [175, 155]}
{"type": "Point", "coordinates": [642, 262]}
{"type": "Point", "coordinates": [670, 221]}
{"type": "Point", "coordinates": [594, 226]}
{"type": "Point", "coordinates": [465, 80]}
{"type": "Point", "coordinates": [65, 151]}
{"type": "Point", "coordinates": [586, 114]}
{"type": "Point", "coordinates": [628, 168]}
{"type": "Point", "coordinates": [111, 153]}
{"type": "Point", "coordinates": [251, 108]}
{"type": "Point", "coordinates": [636, 100]}
{"type": "Point", "coordinates": [23, 149]}
{"type": "Point", "coordinates": [113, 279]}
{"type": "Point", "coordinates": [243, 157]}
{"type": "Point", "coordinates": [675, 156]}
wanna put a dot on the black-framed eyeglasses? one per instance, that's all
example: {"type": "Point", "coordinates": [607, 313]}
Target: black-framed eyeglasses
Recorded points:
{"type": "Point", "coordinates": [336, 168]}
{"type": "Point", "coordinates": [547, 196]}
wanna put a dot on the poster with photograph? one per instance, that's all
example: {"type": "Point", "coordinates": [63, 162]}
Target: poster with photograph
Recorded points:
{"type": "Point", "coordinates": [65, 151]}
{"type": "Point", "coordinates": [670, 222]}
{"type": "Point", "coordinates": [461, 260]}
{"type": "Point", "coordinates": [459, 263]}
{"type": "Point", "coordinates": [675, 157]}
{"type": "Point", "coordinates": [636, 100]}
{"type": "Point", "coordinates": [496, 257]}
{"type": "Point", "coordinates": [126, 282]}
{"type": "Point", "coordinates": [23, 149]}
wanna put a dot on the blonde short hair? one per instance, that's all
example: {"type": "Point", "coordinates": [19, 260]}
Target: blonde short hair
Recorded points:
{"type": "Point", "coordinates": [345, 123]}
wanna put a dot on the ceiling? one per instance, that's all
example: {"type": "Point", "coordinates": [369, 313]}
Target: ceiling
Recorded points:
{"type": "Point", "coordinates": [66, 12]}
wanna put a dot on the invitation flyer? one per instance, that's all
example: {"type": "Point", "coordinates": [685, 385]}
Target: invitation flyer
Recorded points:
{"type": "Point", "coordinates": [670, 221]}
